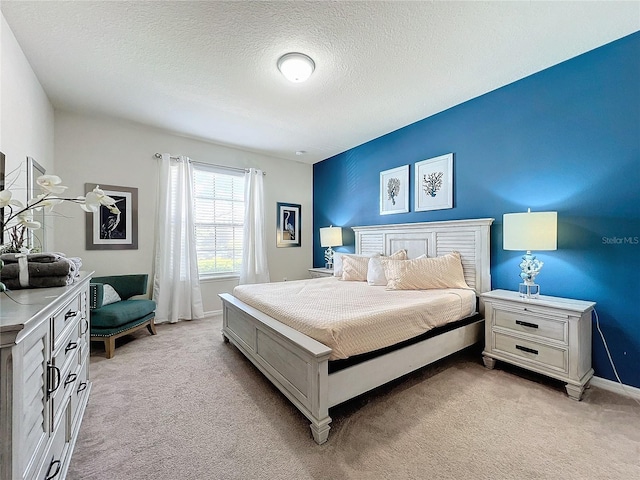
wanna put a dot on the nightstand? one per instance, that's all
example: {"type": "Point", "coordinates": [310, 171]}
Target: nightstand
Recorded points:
{"type": "Point", "coordinates": [548, 335]}
{"type": "Point", "coordinates": [321, 272]}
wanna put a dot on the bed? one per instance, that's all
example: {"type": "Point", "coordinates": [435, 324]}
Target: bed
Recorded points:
{"type": "Point", "coordinates": [299, 366]}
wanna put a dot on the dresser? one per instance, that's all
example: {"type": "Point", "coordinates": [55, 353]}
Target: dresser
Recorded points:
{"type": "Point", "coordinates": [321, 272]}
{"type": "Point", "coordinates": [548, 335]}
{"type": "Point", "coordinates": [44, 378]}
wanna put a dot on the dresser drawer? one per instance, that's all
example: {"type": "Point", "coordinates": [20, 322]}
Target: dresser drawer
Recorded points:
{"type": "Point", "coordinates": [68, 345]}
{"type": "Point", "coordinates": [79, 391]}
{"type": "Point", "coordinates": [52, 466]}
{"type": "Point", "coordinates": [555, 358]}
{"type": "Point", "coordinates": [70, 313]}
{"type": "Point", "coordinates": [537, 324]}
{"type": "Point", "coordinates": [64, 383]}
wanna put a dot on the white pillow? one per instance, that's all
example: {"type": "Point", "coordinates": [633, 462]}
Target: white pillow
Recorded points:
{"type": "Point", "coordinates": [375, 271]}
{"type": "Point", "coordinates": [109, 295]}
{"type": "Point", "coordinates": [337, 261]}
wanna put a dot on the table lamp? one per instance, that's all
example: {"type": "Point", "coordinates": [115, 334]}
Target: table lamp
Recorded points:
{"type": "Point", "coordinates": [330, 237]}
{"type": "Point", "coordinates": [530, 231]}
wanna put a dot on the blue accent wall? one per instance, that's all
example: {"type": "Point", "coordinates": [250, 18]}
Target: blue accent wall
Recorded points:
{"type": "Point", "coordinates": [565, 139]}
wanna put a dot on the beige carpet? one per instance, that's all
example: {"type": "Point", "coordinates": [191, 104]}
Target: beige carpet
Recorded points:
{"type": "Point", "coordinates": [184, 405]}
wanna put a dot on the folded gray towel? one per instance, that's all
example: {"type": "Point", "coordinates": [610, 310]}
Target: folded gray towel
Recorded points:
{"type": "Point", "coordinates": [32, 257]}
{"type": "Point", "coordinates": [76, 263]}
{"type": "Point", "coordinates": [39, 282]}
{"type": "Point", "coordinates": [35, 269]}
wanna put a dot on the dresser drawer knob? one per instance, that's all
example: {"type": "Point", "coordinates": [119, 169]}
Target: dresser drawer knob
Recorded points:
{"type": "Point", "coordinates": [71, 346]}
{"type": "Point", "coordinates": [69, 315]}
{"type": "Point", "coordinates": [527, 349]}
{"type": "Point", "coordinates": [57, 464]}
{"type": "Point", "coordinates": [526, 324]}
{"type": "Point", "coordinates": [53, 378]}
{"type": "Point", "coordinates": [70, 379]}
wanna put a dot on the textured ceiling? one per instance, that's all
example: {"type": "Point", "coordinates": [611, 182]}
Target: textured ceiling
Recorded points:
{"type": "Point", "coordinates": [208, 69]}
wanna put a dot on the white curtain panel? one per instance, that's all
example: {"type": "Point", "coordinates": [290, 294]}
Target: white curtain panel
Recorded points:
{"type": "Point", "coordinates": [255, 268]}
{"type": "Point", "coordinates": [176, 286]}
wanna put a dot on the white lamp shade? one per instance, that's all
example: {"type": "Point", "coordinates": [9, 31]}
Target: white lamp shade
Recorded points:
{"type": "Point", "coordinates": [296, 67]}
{"type": "Point", "coordinates": [330, 236]}
{"type": "Point", "coordinates": [530, 231]}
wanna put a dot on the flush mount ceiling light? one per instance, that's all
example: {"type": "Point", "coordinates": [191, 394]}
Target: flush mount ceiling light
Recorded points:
{"type": "Point", "coordinates": [296, 67]}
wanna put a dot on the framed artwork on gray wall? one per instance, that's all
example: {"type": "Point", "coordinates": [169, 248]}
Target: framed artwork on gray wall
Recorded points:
{"type": "Point", "coordinates": [434, 183]}
{"type": "Point", "coordinates": [288, 228]}
{"type": "Point", "coordinates": [2, 167]}
{"type": "Point", "coordinates": [394, 190]}
{"type": "Point", "coordinates": [113, 231]}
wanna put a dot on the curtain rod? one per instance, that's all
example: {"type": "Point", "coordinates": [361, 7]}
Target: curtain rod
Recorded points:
{"type": "Point", "coordinates": [159, 155]}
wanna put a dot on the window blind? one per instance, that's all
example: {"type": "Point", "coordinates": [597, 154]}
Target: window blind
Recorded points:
{"type": "Point", "coordinates": [219, 217]}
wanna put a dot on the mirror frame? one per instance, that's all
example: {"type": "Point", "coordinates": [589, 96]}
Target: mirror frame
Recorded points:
{"type": "Point", "coordinates": [34, 170]}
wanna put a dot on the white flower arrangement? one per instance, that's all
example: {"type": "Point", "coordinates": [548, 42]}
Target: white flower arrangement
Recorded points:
{"type": "Point", "coordinates": [19, 218]}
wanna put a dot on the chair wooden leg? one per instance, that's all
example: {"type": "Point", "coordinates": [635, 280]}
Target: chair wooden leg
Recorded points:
{"type": "Point", "coordinates": [110, 346]}
{"type": "Point", "coordinates": [152, 327]}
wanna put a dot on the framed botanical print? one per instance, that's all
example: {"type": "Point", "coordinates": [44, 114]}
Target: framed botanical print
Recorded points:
{"type": "Point", "coordinates": [434, 183]}
{"type": "Point", "coordinates": [394, 190]}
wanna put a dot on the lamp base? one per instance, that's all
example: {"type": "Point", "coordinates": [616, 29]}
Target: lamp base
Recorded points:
{"type": "Point", "coordinates": [529, 290]}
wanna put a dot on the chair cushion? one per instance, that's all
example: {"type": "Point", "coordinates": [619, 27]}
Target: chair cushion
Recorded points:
{"type": "Point", "coordinates": [108, 332]}
{"type": "Point", "coordinates": [117, 314]}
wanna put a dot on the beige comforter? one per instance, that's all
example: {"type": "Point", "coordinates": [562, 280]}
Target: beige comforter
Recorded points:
{"type": "Point", "coordinates": [354, 317]}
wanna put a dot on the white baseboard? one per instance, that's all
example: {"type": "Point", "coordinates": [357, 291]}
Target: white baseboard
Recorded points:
{"type": "Point", "coordinates": [212, 313]}
{"type": "Point", "coordinates": [627, 390]}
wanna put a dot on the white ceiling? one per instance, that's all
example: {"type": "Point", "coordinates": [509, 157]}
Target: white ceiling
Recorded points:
{"type": "Point", "coordinates": [208, 69]}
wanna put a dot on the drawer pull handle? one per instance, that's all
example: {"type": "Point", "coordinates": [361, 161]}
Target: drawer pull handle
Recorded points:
{"type": "Point", "coordinates": [53, 475]}
{"type": "Point", "coordinates": [86, 327]}
{"type": "Point", "coordinates": [71, 346]}
{"type": "Point", "coordinates": [53, 378]}
{"type": "Point", "coordinates": [81, 387]}
{"type": "Point", "coordinates": [527, 349]}
{"type": "Point", "coordinates": [70, 379]}
{"type": "Point", "coordinates": [526, 324]}
{"type": "Point", "coordinates": [70, 314]}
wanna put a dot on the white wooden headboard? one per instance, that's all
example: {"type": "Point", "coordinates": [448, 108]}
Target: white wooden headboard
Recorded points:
{"type": "Point", "coordinates": [469, 237]}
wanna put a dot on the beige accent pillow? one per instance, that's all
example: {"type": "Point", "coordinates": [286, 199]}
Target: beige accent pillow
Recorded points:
{"type": "Point", "coordinates": [375, 272]}
{"type": "Point", "coordinates": [354, 268]}
{"type": "Point", "coordinates": [339, 256]}
{"type": "Point", "coordinates": [425, 273]}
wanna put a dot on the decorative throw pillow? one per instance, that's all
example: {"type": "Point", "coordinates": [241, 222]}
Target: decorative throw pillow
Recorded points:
{"type": "Point", "coordinates": [375, 272]}
{"type": "Point", "coordinates": [425, 273]}
{"type": "Point", "coordinates": [354, 268]}
{"type": "Point", "coordinates": [338, 258]}
{"type": "Point", "coordinates": [109, 295]}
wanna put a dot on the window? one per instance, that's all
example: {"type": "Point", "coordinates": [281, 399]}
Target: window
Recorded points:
{"type": "Point", "coordinates": [219, 217]}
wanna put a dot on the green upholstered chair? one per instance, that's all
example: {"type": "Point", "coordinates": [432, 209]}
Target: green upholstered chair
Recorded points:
{"type": "Point", "coordinates": [114, 320]}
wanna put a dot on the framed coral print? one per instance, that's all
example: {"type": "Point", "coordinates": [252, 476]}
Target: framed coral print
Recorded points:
{"type": "Point", "coordinates": [434, 183]}
{"type": "Point", "coordinates": [288, 230]}
{"type": "Point", "coordinates": [394, 190]}
{"type": "Point", "coordinates": [114, 231]}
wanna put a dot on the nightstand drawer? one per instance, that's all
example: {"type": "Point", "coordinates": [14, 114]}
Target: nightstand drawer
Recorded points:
{"type": "Point", "coordinates": [548, 356]}
{"type": "Point", "coordinates": [532, 324]}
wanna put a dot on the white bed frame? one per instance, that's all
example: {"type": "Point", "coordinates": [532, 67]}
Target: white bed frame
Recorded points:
{"type": "Point", "coordinates": [298, 364]}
